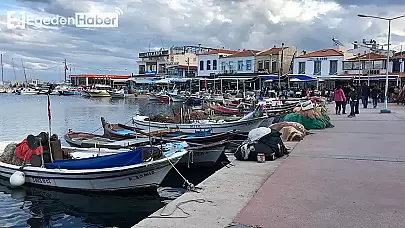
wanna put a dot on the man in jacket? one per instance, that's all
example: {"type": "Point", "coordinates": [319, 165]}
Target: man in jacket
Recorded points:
{"type": "Point", "coordinates": [354, 99]}
{"type": "Point", "coordinates": [374, 96]}
{"type": "Point", "coordinates": [365, 94]}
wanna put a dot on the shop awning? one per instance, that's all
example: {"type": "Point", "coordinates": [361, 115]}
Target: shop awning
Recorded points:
{"type": "Point", "coordinates": [269, 77]}
{"type": "Point", "coordinates": [301, 78]}
{"type": "Point", "coordinates": [144, 80]}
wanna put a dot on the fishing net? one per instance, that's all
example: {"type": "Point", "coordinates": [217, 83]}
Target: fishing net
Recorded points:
{"type": "Point", "coordinates": [9, 156]}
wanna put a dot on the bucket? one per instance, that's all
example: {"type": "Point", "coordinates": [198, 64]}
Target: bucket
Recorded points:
{"type": "Point", "coordinates": [261, 158]}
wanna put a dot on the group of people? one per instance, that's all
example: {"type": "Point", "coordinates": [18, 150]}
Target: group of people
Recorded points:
{"type": "Point", "coordinates": [352, 95]}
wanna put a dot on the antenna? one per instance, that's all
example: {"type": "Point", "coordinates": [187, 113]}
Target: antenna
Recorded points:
{"type": "Point", "coordinates": [336, 42]}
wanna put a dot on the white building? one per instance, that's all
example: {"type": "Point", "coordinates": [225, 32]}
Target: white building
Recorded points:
{"type": "Point", "coordinates": [208, 63]}
{"type": "Point", "coordinates": [323, 63]}
{"type": "Point", "coordinates": [240, 63]}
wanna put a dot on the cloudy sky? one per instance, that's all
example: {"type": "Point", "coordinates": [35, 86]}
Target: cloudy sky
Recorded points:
{"type": "Point", "coordinates": [233, 24]}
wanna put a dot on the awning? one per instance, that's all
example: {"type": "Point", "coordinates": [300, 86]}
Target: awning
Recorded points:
{"type": "Point", "coordinates": [163, 81]}
{"type": "Point", "coordinates": [173, 80]}
{"type": "Point", "coordinates": [269, 77]}
{"type": "Point", "coordinates": [144, 80]}
{"type": "Point", "coordinates": [300, 78]}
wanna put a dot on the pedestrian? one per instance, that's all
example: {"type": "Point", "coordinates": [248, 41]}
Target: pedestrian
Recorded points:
{"type": "Point", "coordinates": [353, 99]}
{"type": "Point", "coordinates": [339, 98]}
{"type": "Point", "coordinates": [358, 90]}
{"type": "Point", "coordinates": [365, 94]}
{"type": "Point", "coordinates": [374, 96]}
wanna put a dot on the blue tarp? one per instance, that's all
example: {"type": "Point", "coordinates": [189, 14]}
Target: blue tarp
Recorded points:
{"type": "Point", "coordinates": [302, 77]}
{"type": "Point", "coordinates": [270, 77]}
{"type": "Point", "coordinates": [131, 157]}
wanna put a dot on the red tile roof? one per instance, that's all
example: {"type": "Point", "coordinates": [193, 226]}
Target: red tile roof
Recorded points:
{"type": "Point", "coordinates": [219, 51]}
{"type": "Point", "coordinates": [369, 56]}
{"type": "Point", "coordinates": [244, 53]}
{"type": "Point", "coordinates": [322, 53]}
{"type": "Point", "coordinates": [271, 51]}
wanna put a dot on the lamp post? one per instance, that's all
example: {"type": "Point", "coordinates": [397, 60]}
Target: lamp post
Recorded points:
{"type": "Point", "coordinates": [385, 110]}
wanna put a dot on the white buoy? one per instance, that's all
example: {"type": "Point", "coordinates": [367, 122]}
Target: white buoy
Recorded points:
{"type": "Point", "coordinates": [17, 179]}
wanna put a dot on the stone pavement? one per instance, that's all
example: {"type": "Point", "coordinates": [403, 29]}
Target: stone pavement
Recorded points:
{"type": "Point", "coordinates": [352, 175]}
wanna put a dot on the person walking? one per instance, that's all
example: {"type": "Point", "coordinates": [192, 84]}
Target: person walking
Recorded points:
{"type": "Point", "coordinates": [358, 90]}
{"type": "Point", "coordinates": [365, 94]}
{"type": "Point", "coordinates": [339, 98]}
{"type": "Point", "coordinates": [353, 99]}
{"type": "Point", "coordinates": [374, 96]}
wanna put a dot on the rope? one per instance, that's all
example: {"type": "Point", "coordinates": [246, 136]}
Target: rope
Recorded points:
{"type": "Point", "coordinates": [189, 186]}
{"type": "Point", "coordinates": [162, 215]}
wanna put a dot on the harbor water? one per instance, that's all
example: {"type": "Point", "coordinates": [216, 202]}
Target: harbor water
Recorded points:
{"type": "Point", "coordinates": [21, 115]}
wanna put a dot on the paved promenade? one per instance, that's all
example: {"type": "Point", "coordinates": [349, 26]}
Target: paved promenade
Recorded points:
{"type": "Point", "coordinates": [352, 175]}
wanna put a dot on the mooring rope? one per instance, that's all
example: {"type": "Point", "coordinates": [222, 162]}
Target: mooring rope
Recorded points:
{"type": "Point", "coordinates": [168, 215]}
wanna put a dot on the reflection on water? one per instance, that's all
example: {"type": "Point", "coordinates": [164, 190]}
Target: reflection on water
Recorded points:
{"type": "Point", "coordinates": [35, 207]}
{"type": "Point", "coordinates": [46, 208]}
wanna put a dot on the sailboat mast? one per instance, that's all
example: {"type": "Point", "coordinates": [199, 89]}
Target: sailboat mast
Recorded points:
{"type": "Point", "coordinates": [25, 75]}
{"type": "Point", "coordinates": [2, 70]}
{"type": "Point", "coordinates": [15, 76]}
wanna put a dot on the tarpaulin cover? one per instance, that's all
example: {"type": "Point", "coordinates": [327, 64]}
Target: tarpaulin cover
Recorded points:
{"type": "Point", "coordinates": [309, 123]}
{"type": "Point", "coordinates": [131, 157]}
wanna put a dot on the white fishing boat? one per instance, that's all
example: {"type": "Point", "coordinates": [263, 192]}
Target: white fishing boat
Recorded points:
{"type": "Point", "coordinates": [116, 93]}
{"type": "Point", "coordinates": [204, 155]}
{"type": "Point", "coordinates": [241, 125]}
{"type": "Point", "coordinates": [3, 90]}
{"type": "Point", "coordinates": [100, 91]}
{"type": "Point", "coordinates": [114, 172]}
{"type": "Point", "coordinates": [29, 91]}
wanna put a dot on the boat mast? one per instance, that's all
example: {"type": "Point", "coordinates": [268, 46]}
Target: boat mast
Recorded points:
{"type": "Point", "coordinates": [15, 76]}
{"type": "Point", "coordinates": [25, 75]}
{"type": "Point", "coordinates": [2, 72]}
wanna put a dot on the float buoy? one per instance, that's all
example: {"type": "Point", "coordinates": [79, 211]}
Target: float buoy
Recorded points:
{"type": "Point", "coordinates": [17, 179]}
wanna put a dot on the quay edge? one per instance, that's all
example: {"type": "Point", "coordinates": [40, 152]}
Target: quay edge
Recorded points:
{"type": "Point", "coordinates": [219, 198]}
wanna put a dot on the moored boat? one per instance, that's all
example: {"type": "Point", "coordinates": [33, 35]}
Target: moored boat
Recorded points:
{"type": "Point", "coordinates": [99, 91]}
{"type": "Point", "coordinates": [87, 140]}
{"type": "Point", "coordinates": [142, 168]}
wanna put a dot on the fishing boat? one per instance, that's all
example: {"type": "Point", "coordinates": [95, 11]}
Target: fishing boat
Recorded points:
{"type": "Point", "coordinates": [100, 91]}
{"type": "Point", "coordinates": [142, 168]}
{"type": "Point", "coordinates": [193, 100]}
{"type": "Point", "coordinates": [198, 154]}
{"type": "Point", "coordinates": [121, 131]}
{"type": "Point", "coordinates": [241, 125]}
{"type": "Point", "coordinates": [29, 91]}
{"type": "Point", "coordinates": [88, 140]}
{"type": "Point", "coordinates": [121, 93]}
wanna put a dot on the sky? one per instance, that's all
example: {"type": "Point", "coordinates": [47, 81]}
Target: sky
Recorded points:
{"type": "Point", "coordinates": [142, 24]}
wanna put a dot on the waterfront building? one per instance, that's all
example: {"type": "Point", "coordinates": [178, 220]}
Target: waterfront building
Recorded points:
{"type": "Point", "coordinates": [92, 79]}
{"type": "Point", "coordinates": [323, 64]}
{"type": "Point", "coordinates": [208, 63]}
{"type": "Point", "coordinates": [242, 62]}
{"type": "Point", "coordinates": [269, 61]}
{"type": "Point", "coordinates": [174, 62]}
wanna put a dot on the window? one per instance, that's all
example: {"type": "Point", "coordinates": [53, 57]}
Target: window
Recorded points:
{"type": "Point", "coordinates": [347, 65]}
{"type": "Point", "coordinates": [368, 65]}
{"type": "Point", "coordinates": [201, 65]}
{"type": "Point", "coordinates": [248, 64]}
{"type": "Point", "coordinates": [380, 64]}
{"type": "Point", "coordinates": [301, 68]}
{"type": "Point", "coordinates": [356, 65]}
{"type": "Point", "coordinates": [230, 65]}
{"type": "Point", "coordinates": [274, 67]}
{"type": "Point", "coordinates": [267, 65]}
{"type": "Point", "coordinates": [332, 67]}
{"type": "Point", "coordinates": [223, 66]}
{"type": "Point", "coordinates": [214, 64]}
{"type": "Point", "coordinates": [240, 65]}
{"type": "Point", "coordinates": [208, 65]}
{"type": "Point", "coordinates": [260, 65]}
{"type": "Point", "coordinates": [317, 67]}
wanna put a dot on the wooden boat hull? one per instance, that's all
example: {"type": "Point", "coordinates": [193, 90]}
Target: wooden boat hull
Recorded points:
{"type": "Point", "coordinates": [101, 93]}
{"type": "Point", "coordinates": [86, 140]}
{"type": "Point", "coordinates": [240, 125]}
{"type": "Point", "coordinates": [206, 155]}
{"type": "Point", "coordinates": [140, 176]}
